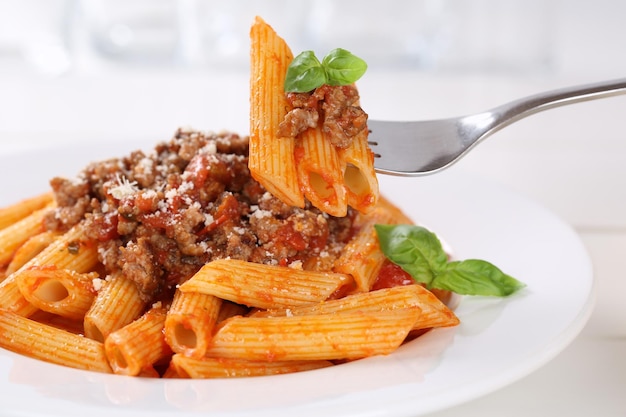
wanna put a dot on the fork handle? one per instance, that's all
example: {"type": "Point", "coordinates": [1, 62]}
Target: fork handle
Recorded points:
{"type": "Point", "coordinates": [513, 111]}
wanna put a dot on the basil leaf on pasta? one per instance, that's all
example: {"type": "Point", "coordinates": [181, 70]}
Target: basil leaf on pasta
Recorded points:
{"type": "Point", "coordinates": [305, 73]}
{"type": "Point", "coordinates": [342, 67]}
{"type": "Point", "coordinates": [339, 67]}
{"type": "Point", "coordinates": [419, 252]}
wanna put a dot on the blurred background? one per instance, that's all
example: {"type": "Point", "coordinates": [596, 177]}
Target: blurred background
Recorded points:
{"type": "Point", "coordinates": [135, 54]}
{"type": "Point", "coordinates": [86, 37]}
{"type": "Point", "coordinates": [116, 70]}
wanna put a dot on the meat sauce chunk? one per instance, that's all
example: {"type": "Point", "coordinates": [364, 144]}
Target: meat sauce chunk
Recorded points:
{"type": "Point", "coordinates": [158, 217]}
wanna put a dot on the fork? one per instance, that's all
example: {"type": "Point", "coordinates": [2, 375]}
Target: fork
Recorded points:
{"type": "Point", "coordinates": [418, 148]}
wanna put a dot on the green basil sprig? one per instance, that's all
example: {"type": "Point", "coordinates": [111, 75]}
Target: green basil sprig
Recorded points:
{"type": "Point", "coordinates": [339, 67]}
{"type": "Point", "coordinates": [419, 252]}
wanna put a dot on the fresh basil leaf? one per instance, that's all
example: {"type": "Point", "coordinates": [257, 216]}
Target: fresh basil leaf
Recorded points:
{"type": "Point", "coordinates": [414, 248]}
{"type": "Point", "coordinates": [305, 73]}
{"type": "Point", "coordinates": [476, 277]}
{"type": "Point", "coordinates": [419, 252]}
{"type": "Point", "coordinates": [342, 67]}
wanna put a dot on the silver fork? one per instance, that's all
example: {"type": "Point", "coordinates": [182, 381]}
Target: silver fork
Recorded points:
{"type": "Point", "coordinates": [425, 147]}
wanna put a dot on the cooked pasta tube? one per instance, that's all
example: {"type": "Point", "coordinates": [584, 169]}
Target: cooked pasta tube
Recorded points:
{"type": "Point", "coordinates": [186, 367]}
{"type": "Point", "coordinates": [362, 258]}
{"type": "Point", "coordinates": [14, 236]}
{"type": "Point", "coordinates": [28, 337]}
{"type": "Point", "coordinates": [263, 286]}
{"type": "Point", "coordinates": [117, 304]}
{"type": "Point", "coordinates": [14, 212]}
{"type": "Point", "coordinates": [313, 337]}
{"type": "Point", "coordinates": [320, 172]}
{"type": "Point", "coordinates": [359, 176]}
{"type": "Point", "coordinates": [60, 291]}
{"type": "Point", "coordinates": [138, 345]}
{"type": "Point", "coordinates": [31, 248]}
{"type": "Point", "coordinates": [67, 252]}
{"type": "Point", "coordinates": [271, 159]}
{"type": "Point", "coordinates": [190, 322]}
{"type": "Point", "coordinates": [434, 312]}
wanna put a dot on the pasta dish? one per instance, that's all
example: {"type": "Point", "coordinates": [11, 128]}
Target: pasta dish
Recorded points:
{"type": "Point", "coordinates": [217, 255]}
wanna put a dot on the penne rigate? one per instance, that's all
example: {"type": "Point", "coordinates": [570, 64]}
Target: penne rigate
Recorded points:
{"type": "Point", "coordinates": [320, 173]}
{"type": "Point", "coordinates": [117, 304]}
{"type": "Point", "coordinates": [331, 177]}
{"type": "Point", "coordinates": [264, 286]}
{"type": "Point", "coordinates": [359, 175]}
{"type": "Point", "coordinates": [362, 258]}
{"type": "Point", "coordinates": [187, 367]}
{"type": "Point", "coordinates": [15, 212]}
{"type": "Point", "coordinates": [138, 345]}
{"type": "Point", "coordinates": [31, 248]}
{"type": "Point", "coordinates": [67, 252]}
{"type": "Point", "coordinates": [60, 291]}
{"type": "Point", "coordinates": [15, 235]}
{"type": "Point", "coordinates": [272, 160]}
{"type": "Point", "coordinates": [434, 313]}
{"type": "Point", "coordinates": [313, 337]}
{"type": "Point", "coordinates": [51, 344]}
{"type": "Point", "coordinates": [190, 321]}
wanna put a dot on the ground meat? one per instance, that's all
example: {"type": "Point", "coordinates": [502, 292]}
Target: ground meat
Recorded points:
{"type": "Point", "coordinates": [136, 261]}
{"type": "Point", "coordinates": [73, 200]}
{"type": "Point", "coordinates": [336, 106]}
{"type": "Point", "coordinates": [158, 217]}
{"type": "Point", "coordinates": [297, 121]}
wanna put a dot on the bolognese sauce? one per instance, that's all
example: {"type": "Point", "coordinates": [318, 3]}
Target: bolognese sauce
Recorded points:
{"type": "Point", "coordinates": [159, 216]}
{"type": "Point", "coordinates": [335, 107]}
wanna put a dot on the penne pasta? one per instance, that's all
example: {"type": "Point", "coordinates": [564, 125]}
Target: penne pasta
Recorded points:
{"type": "Point", "coordinates": [190, 322]}
{"type": "Point", "coordinates": [138, 345]}
{"type": "Point", "coordinates": [362, 258]}
{"type": "Point", "coordinates": [60, 291]}
{"type": "Point", "coordinates": [263, 286]}
{"type": "Point", "coordinates": [14, 236]}
{"type": "Point", "coordinates": [32, 247]}
{"type": "Point", "coordinates": [117, 304]}
{"type": "Point", "coordinates": [320, 172]}
{"type": "Point", "coordinates": [271, 160]}
{"type": "Point", "coordinates": [313, 337]}
{"type": "Point", "coordinates": [15, 212]}
{"type": "Point", "coordinates": [67, 252]}
{"type": "Point", "coordinates": [359, 175]}
{"type": "Point", "coordinates": [186, 367]}
{"type": "Point", "coordinates": [28, 337]}
{"type": "Point", "coordinates": [434, 313]}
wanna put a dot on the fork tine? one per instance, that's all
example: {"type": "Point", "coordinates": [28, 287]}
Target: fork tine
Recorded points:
{"type": "Point", "coordinates": [413, 148]}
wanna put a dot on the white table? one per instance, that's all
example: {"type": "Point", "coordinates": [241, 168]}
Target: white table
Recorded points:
{"type": "Point", "coordinates": [571, 160]}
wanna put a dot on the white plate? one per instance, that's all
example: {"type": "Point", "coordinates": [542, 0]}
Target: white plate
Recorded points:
{"type": "Point", "coordinates": [498, 341]}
